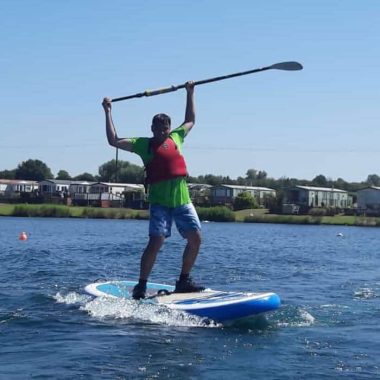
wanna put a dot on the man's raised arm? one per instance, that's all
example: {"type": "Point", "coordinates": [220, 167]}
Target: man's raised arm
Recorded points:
{"type": "Point", "coordinates": [112, 138]}
{"type": "Point", "coordinates": [190, 107]}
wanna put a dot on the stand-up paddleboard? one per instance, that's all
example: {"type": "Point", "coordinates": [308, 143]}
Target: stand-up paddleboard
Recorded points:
{"type": "Point", "coordinates": [219, 306]}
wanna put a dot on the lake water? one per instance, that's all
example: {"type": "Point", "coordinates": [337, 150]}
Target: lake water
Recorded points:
{"type": "Point", "coordinates": [326, 328]}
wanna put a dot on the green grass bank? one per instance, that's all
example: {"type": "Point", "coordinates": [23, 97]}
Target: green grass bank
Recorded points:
{"type": "Point", "coordinates": [212, 214]}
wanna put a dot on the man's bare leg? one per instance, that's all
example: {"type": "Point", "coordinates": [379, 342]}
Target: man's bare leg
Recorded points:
{"type": "Point", "coordinates": [148, 259]}
{"type": "Point", "coordinates": [191, 250]}
{"type": "Point", "coordinates": [185, 284]}
{"type": "Point", "coordinates": [149, 256]}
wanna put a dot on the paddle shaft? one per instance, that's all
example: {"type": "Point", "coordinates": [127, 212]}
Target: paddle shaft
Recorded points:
{"type": "Point", "coordinates": [288, 66]}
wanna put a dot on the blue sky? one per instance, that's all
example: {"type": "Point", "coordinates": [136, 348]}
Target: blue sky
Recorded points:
{"type": "Point", "coordinates": [60, 58]}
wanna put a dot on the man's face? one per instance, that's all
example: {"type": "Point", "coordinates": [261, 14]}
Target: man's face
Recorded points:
{"type": "Point", "coordinates": [160, 132]}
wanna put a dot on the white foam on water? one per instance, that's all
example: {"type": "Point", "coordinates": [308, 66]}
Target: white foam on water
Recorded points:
{"type": "Point", "coordinates": [302, 319]}
{"type": "Point", "coordinates": [308, 319]}
{"type": "Point", "coordinates": [333, 306]}
{"type": "Point", "coordinates": [72, 298]}
{"type": "Point", "coordinates": [364, 293]}
{"type": "Point", "coordinates": [124, 309]}
{"type": "Point", "coordinates": [11, 316]}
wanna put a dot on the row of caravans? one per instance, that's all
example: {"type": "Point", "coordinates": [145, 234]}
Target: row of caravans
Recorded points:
{"type": "Point", "coordinates": [104, 194]}
{"type": "Point", "coordinates": [295, 198]}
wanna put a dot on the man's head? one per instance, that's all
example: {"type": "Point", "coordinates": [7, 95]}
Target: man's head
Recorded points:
{"type": "Point", "coordinates": [161, 126]}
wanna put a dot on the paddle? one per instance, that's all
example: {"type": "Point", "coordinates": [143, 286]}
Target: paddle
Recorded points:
{"type": "Point", "coordinates": [287, 66]}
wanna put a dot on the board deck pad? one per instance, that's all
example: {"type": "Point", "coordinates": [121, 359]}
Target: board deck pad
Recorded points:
{"type": "Point", "coordinates": [220, 306]}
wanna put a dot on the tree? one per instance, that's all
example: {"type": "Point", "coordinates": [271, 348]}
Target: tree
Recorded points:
{"type": "Point", "coordinates": [244, 201]}
{"type": "Point", "coordinates": [212, 180]}
{"type": "Point", "coordinates": [373, 180]}
{"type": "Point", "coordinates": [251, 174]}
{"type": "Point", "coordinates": [241, 181]}
{"type": "Point", "coordinates": [8, 174]}
{"type": "Point", "coordinates": [124, 172]}
{"type": "Point", "coordinates": [274, 204]}
{"type": "Point", "coordinates": [85, 177]}
{"type": "Point", "coordinates": [33, 170]}
{"type": "Point", "coordinates": [107, 171]}
{"type": "Point", "coordinates": [191, 179]}
{"type": "Point", "coordinates": [255, 177]}
{"type": "Point", "coordinates": [63, 174]}
{"type": "Point", "coordinates": [262, 174]}
{"type": "Point", "coordinates": [131, 174]}
{"type": "Point", "coordinates": [341, 184]}
{"type": "Point", "coordinates": [320, 180]}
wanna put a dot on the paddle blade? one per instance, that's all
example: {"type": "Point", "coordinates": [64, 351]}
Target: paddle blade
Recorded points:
{"type": "Point", "coordinates": [288, 66]}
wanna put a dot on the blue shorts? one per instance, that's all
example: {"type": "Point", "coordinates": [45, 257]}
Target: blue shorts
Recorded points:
{"type": "Point", "coordinates": [161, 219]}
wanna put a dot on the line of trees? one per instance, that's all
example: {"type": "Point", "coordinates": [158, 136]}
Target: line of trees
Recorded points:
{"type": "Point", "coordinates": [125, 172]}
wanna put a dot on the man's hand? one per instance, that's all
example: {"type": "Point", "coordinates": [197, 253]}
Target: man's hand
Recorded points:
{"type": "Point", "coordinates": [107, 104]}
{"type": "Point", "coordinates": [189, 85]}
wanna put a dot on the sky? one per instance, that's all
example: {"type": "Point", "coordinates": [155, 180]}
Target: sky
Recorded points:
{"type": "Point", "coordinates": [60, 58]}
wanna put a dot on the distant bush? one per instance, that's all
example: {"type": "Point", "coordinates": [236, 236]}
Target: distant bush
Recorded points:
{"type": "Point", "coordinates": [96, 213]}
{"type": "Point", "coordinates": [42, 211]}
{"type": "Point", "coordinates": [324, 211]}
{"type": "Point", "coordinates": [287, 219]}
{"type": "Point", "coordinates": [367, 222]}
{"type": "Point", "coordinates": [110, 213]}
{"type": "Point", "coordinates": [21, 210]}
{"type": "Point", "coordinates": [244, 201]}
{"type": "Point", "coordinates": [317, 212]}
{"type": "Point", "coordinates": [216, 214]}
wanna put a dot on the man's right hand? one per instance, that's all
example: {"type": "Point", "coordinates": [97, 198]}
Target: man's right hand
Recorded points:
{"type": "Point", "coordinates": [189, 85]}
{"type": "Point", "coordinates": [107, 104]}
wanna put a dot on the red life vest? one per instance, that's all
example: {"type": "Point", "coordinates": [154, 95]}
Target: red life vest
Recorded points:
{"type": "Point", "coordinates": [167, 162]}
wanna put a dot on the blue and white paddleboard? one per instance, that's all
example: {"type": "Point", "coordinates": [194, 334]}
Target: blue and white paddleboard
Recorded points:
{"type": "Point", "coordinates": [219, 306]}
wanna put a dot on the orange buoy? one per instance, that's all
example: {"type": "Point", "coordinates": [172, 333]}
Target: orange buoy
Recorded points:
{"type": "Point", "coordinates": [23, 236]}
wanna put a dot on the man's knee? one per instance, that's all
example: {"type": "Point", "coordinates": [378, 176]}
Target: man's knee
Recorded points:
{"type": "Point", "coordinates": [194, 238]}
{"type": "Point", "coordinates": [155, 242]}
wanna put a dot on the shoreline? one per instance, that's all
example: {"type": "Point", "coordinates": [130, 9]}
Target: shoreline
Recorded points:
{"type": "Point", "coordinates": [214, 214]}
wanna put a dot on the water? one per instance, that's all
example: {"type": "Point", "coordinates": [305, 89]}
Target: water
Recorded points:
{"type": "Point", "coordinates": [327, 327]}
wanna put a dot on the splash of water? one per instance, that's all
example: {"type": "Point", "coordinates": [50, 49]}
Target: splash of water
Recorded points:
{"type": "Point", "coordinates": [72, 298]}
{"type": "Point", "coordinates": [131, 311]}
{"type": "Point", "coordinates": [364, 293]}
{"type": "Point", "coordinates": [296, 318]}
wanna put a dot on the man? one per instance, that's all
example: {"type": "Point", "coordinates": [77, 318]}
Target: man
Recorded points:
{"type": "Point", "coordinates": [168, 193]}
